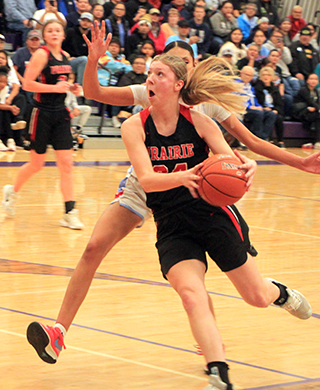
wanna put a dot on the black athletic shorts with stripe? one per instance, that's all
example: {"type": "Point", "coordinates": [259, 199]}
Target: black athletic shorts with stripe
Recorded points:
{"type": "Point", "coordinates": [191, 232]}
{"type": "Point", "coordinates": [50, 128]}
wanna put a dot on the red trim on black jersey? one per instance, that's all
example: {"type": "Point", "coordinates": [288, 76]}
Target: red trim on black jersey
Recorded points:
{"type": "Point", "coordinates": [33, 123]}
{"type": "Point", "coordinates": [234, 220]}
{"type": "Point", "coordinates": [185, 111]}
{"type": "Point", "coordinates": [144, 116]}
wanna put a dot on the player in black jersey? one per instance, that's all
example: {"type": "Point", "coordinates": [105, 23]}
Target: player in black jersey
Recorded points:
{"type": "Point", "coordinates": [46, 76]}
{"type": "Point", "coordinates": [188, 227]}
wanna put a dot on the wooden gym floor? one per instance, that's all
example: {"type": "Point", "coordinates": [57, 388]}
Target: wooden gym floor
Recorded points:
{"type": "Point", "coordinates": [131, 332]}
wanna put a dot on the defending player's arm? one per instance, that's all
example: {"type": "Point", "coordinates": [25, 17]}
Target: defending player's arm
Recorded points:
{"type": "Point", "coordinates": [92, 89]}
{"type": "Point", "coordinates": [237, 129]}
{"type": "Point", "coordinates": [133, 137]}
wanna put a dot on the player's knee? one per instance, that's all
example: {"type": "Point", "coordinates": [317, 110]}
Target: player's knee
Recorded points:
{"type": "Point", "coordinates": [258, 299]}
{"type": "Point", "coordinates": [190, 299]}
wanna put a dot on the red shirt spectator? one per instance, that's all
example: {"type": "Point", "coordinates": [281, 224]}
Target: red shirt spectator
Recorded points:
{"type": "Point", "coordinates": [297, 21]}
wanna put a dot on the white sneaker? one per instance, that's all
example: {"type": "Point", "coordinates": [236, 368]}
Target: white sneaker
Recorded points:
{"type": "Point", "coordinates": [11, 145]}
{"type": "Point", "coordinates": [3, 147]}
{"type": "Point", "coordinates": [71, 220]}
{"type": "Point", "coordinates": [9, 199]}
{"type": "Point", "coordinates": [115, 122]}
{"type": "Point", "coordinates": [18, 125]}
{"type": "Point", "coordinates": [316, 145]}
{"type": "Point", "coordinates": [215, 382]}
{"type": "Point", "coordinates": [296, 304]}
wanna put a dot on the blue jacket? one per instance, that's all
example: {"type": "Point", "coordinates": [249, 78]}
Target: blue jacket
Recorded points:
{"type": "Point", "coordinates": [113, 69]}
{"type": "Point", "coordinates": [245, 26]}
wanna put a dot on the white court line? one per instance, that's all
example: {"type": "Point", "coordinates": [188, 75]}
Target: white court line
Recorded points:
{"type": "Point", "coordinates": [284, 232]}
{"type": "Point", "coordinates": [120, 359]}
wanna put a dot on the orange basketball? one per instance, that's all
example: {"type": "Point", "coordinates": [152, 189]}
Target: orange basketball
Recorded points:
{"type": "Point", "coordinates": [222, 183]}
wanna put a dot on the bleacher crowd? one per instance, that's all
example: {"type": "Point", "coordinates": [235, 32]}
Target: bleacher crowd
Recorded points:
{"type": "Point", "coordinates": [277, 59]}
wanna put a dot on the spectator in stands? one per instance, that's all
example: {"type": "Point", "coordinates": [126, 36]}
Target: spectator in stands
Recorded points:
{"type": "Point", "coordinates": [285, 27]}
{"type": "Point", "coordinates": [155, 33]}
{"type": "Point", "coordinates": [180, 5]}
{"type": "Point", "coordinates": [307, 109]}
{"type": "Point", "coordinates": [148, 51]}
{"type": "Point", "coordinates": [136, 76]}
{"type": "Point", "coordinates": [291, 84]}
{"type": "Point", "coordinates": [22, 57]}
{"type": "Point", "coordinates": [117, 24]}
{"type": "Point", "coordinates": [79, 115]}
{"type": "Point", "coordinates": [109, 6]}
{"type": "Point", "coordinates": [111, 68]}
{"type": "Point", "coordinates": [266, 8]}
{"type": "Point", "coordinates": [262, 25]}
{"type": "Point", "coordinates": [136, 9]}
{"type": "Point", "coordinates": [202, 30]}
{"type": "Point", "coordinates": [314, 36]}
{"type": "Point", "coordinates": [259, 121]}
{"type": "Point", "coordinates": [75, 45]}
{"type": "Point", "coordinates": [64, 6]}
{"type": "Point", "coordinates": [210, 7]}
{"type": "Point", "coordinates": [7, 113]}
{"type": "Point", "coordinates": [13, 98]}
{"type": "Point", "coordinates": [238, 49]}
{"type": "Point", "coordinates": [18, 13]}
{"type": "Point", "coordinates": [73, 17]}
{"type": "Point", "coordinates": [305, 57]}
{"type": "Point", "coordinates": [269, 98]}
{"type": "Point", "coordinates": [222, 23]}
{"type": "Point", "coordinates": [171, 27]}
{"type": "Point", "coordinates": [183, 35]}
{"type": "Point", "coordinates": [139, 36]}
{"type": "Point", "coordinates": [50, 12]}
{"type": "Point", "coordinates": [248, 20]}
{"type": "Point", "coordinates": [297, 21]}
{"type": "Point", "coordinates": [98, 13]}
{"type": "Point", "coordinates": [259, 39]}
{"type": "Point", "coordinates": [251, 58]}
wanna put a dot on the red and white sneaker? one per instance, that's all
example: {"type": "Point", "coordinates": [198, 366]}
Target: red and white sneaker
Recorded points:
{"type": "Point", "coordinates": [46, 340]}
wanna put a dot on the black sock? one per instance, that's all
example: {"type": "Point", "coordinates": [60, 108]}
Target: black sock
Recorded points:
{"type": "Point", "coordinates": [222, 369]}
{"type": "Point", "coordinates": [283, 294]}
{"type": "Point", "coordinates": [69, 205]}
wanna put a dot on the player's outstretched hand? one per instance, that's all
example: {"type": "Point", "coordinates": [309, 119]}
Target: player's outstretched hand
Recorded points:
{"type": "Point", "coordinates": [99, 43]}
{"type": "Point", "coordinates": [311, 163]}
{"type": "Point", "coordinates": [249, 165]}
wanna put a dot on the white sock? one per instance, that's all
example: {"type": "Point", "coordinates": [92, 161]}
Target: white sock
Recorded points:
{"type": "Point", "coordinates": [62, 328]}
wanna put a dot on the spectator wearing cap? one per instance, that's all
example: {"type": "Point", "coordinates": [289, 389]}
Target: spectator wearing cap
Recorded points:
{"type": "Point", "coordinates": [305, 57]}
{"type": "Point", "coordinates": [76, 46]}
{"type": "Point", "coordinates": [18, 13]}
{"type": "Point", "coordinates": [180, 5]}
{"type": "Point", "coordinates": [248, 21]}
{"type": "Point", "coordinates": [222, 23]}
{"type": "Point", "coordinates": [285, 27]}
{"type": "Point", "coordinates": [171, 27]}
{"type": "Point", "coordinates": [50, 12]}
{"type": "Point", "coordinates": [297, 21]}
{"type": "Point", "coordinates": [227, 54]}
{"type": "Point", "coordinates": [262, 25]}
{"type": "Point", "coordinates": [238, 49]}
{"type": "Point", "coordinates": [200, 30]}
{"type": "Point", "coordinates": [314, 40]}
{"type": "Point", "coordinates": [155, 33]}
{"type": "Point", "coordinates": [22, 57]}
{"type": "Point", "coordinates": [117, 24]}
{"type": "Point", "coordinates": [134, 10]}
{"type": "Point", "coordinates": [267, 9]}
{"type": "Point", "coordinates": [73, 17]}
{"type": "Point", "coordinates": [183, 35]}
{"type": "Point", "coordinates": [138, 37]}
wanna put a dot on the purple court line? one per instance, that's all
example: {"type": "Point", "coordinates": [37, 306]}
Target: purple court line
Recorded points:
{"type": "Point", "coordinates": [64, 271]}
{"type": "Point", "coordinates": [101, 163]}
{"type": "Point", "coordinates": [159, 344]}
{"type": "Point", "coordinates": [270, 387]}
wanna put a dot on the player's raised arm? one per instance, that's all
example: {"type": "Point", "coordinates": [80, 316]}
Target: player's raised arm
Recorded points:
{"type": "Point", "coordinates": [91, 87]}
